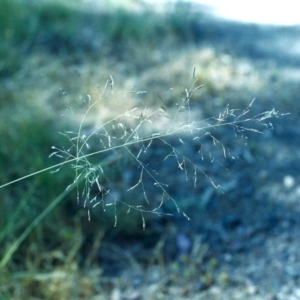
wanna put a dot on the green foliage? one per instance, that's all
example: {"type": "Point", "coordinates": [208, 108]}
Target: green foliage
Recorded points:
{"type": "Point", "coordinates": [25, 25]}
{"type": "Point", "coordinates": [58, 28]}
{"type": "Point", "coordinates": [17, 27]}
{"type": "Point", "coordinates": [24, 149]}
{"type": "Point", "coordinates": [127, 32]}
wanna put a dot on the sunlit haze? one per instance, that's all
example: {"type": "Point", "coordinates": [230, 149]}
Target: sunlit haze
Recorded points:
{"type": "Point", "coordinates": [254, 11]}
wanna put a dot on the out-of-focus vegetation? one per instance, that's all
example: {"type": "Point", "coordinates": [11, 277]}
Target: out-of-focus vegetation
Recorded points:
{"type": "Point", "coordinates": [52, 54]}
{"type": "Point", "coordinates": [63, 28]}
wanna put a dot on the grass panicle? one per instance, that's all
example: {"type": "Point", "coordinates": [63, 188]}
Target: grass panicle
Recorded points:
{"type": "Point", "coordinates": [93, 150]}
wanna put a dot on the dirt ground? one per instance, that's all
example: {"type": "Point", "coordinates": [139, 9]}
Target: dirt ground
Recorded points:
{"type": "Point", "coordinates": [243, 243]}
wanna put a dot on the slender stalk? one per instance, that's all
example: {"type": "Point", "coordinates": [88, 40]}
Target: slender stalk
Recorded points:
{"type": "Point", "coordinates": [13, 248]}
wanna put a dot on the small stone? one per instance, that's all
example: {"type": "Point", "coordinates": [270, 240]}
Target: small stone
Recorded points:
{"type": "Point", "coordinates": [288, 181]}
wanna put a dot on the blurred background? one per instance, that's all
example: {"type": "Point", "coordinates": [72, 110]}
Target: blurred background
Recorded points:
{"type": "Point", "coordinates": [241, 242]}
